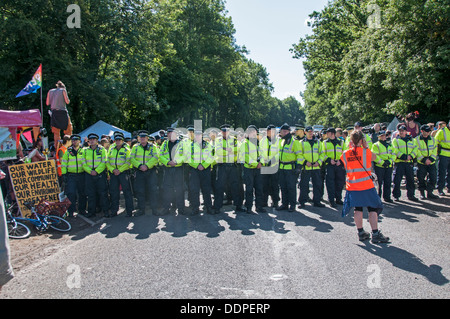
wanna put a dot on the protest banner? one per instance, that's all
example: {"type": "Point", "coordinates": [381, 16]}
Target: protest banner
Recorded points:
{"type": "Point", "coordinates": [7, 145]}
{"type": "Point", "coordinates": [34, 181]}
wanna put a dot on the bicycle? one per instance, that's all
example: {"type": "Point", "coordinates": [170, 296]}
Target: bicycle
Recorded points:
{"type": "Point", "coordinates": [41, 222]}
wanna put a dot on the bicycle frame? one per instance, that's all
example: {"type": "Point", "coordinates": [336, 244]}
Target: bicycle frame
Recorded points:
{"type": "Point", "coordinates": [40, 222]}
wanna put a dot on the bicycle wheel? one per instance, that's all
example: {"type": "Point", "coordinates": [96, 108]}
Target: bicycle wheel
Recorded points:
{"type": "Point", "coordinates": [58, 223]}
{"type": "Point", "coordinates": [18, 230]}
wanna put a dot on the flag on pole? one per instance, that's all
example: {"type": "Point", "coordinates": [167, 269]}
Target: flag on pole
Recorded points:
{"type": "Point", "coordinates": [34, 84]}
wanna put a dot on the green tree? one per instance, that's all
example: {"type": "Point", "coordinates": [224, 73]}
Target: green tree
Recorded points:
{"type": "Point", "coordinates": [356, 71]}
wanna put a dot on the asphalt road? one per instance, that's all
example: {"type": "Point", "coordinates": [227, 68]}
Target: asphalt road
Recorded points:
{"type": "Point", "coordinates": [312, 253]}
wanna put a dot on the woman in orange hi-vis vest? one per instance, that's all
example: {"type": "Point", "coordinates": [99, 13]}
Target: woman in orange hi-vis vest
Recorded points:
{"type": "Point", "coordinates": [361, 191]}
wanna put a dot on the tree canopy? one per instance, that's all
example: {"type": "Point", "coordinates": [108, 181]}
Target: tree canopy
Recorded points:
{"type": "Point", "coordinates": [138, 64]}
{"type": "Point", "coordinates": [371, 59]}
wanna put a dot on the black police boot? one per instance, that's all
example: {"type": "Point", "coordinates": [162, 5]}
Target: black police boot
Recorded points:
{"type": "Point", "coordinates": [430, 195]}
{"type": "Point", "coordinates": [241, 209]}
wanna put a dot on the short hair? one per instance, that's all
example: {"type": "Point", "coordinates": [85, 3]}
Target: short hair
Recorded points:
{"type": "Point", "coordinates": [61, 85]}
{"type": "Point", "coordinates": [65, 139]}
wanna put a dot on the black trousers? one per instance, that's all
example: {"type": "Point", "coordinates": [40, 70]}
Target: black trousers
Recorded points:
{"type": "Point", "coordinates": [271, 187]}
{"type": "Point", "coordinates": [288, 183]}
{"type": "Point", "coordinates": [115, 182]}
{"type": "Point", "coordinates": [403, 169]}
{"type": "Point", "coordinates": [200, 181]}
{"type": "Point", "coordinates": [172, 191]}
{"type": "Point", "coordinates": [384, 177]}
{"type": "Point", "coordinates": [96, 189]}
{"type": "Point", "coordinates": [444, 172]}
{"type": "Point", "coordinates": [306, 176]}
{"type": "Point", "coordinates": [424, 183]}
{"type": "Point", "coordinates": [145, 188]}
{"type": "Point", "coordinates": [75, 186]}
{"type": "Point", "coordinates": [227, 174]}
{"type": "Point", "coordinates": [334, 181]}
{"type": "Point", "coordinates": [253, 182]}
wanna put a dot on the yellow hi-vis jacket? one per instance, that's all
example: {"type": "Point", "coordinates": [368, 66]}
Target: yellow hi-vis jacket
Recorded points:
{"type": "Point", "coordinates": [443, 140]}
{"type": "Point", "coordinates": [311, 153]}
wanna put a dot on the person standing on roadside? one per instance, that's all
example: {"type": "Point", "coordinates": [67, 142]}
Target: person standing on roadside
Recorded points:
{"type": "Point", "coordinates": [360, 188]}
{"type": "Point", "coordinates": [426, 162]}
{"type": "Point", "coordinates": [118, 164]}
{"type": "Point", "coordinates": [94, 165]}
{"type": "Point", "coordinates": [383, 167]}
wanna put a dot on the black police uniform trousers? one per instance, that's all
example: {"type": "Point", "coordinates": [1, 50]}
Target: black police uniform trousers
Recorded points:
{"type": "Point", "coordinates": [145, 187]}
{"type": "Point", "coordinates": [172, 191]}
{"type": "Point", "coordinates": [75, 190]}
{"type": "Point", "coordinates": [96, 189]}
{"type": "Point", "coordinates": [288, 182]}
{"type": "Point", "coordinates": [403, 169]}
{"type": "Point", "coordinates": [427, 184]}
{"type": "Point", "coordinates": [115, 182]}
{"type": "Point", "coordinates": [334, 181]}
{"type": "Point", "coordinates": [306, 176]}
{"type": "Point", "coordinates": [200, 180]}
{"type": "Point", "coordinates": [227, 174]}
{"type": "Point", "coordinates": [384, 177]}
{"type": "Point", "coordinates": [443, 172]}
{"type": "Point", "coordinates": [253, 182]}
{"type": "Point", "coordinates": [271, 187]}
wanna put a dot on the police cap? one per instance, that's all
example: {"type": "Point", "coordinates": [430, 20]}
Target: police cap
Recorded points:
{"type": "Point", "coordinates": [118, 136]}
{"type": "Point", "coordinates": [143, 133]}
{"type": "Point", "coordinates": [75, 137]}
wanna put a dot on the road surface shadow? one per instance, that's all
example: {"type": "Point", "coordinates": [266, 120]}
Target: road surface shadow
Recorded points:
{"type": "Point", "coordinates": [404, 260]}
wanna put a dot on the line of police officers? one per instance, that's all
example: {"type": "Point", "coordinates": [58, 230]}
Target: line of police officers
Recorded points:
{"type": "Point", "coordinates": [223, 164]}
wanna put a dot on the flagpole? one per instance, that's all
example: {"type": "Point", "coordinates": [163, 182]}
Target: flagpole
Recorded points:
{"type": "Point", "coordinates": [42, 107]}
{"type": "Point", "coordinates": [42, 110]}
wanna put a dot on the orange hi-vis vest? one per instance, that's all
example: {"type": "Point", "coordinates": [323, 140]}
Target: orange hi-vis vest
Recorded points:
{"type": "Point", "coordinates": [58, 159]}
{"type": "Point", "coordinates": [358, 164]}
